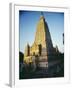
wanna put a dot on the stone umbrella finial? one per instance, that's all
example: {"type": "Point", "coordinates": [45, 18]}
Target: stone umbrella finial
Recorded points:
{"type": "Point", "coordinates": [42, 15]}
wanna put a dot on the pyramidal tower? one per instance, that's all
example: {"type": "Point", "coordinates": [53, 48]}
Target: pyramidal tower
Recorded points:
{"type": "Point", "coordinates": [42, 47]}
{"type": "Point", "coordinates": [43, 36]}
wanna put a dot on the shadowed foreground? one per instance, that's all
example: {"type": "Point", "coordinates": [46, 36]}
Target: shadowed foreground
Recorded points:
{"type": "Point", "coordinates": [55, 69]}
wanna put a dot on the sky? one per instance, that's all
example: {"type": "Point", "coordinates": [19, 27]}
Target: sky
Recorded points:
{"type": "Point", "coordinates": [27, 27]}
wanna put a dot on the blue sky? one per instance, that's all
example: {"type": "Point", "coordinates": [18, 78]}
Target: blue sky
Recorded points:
{"type": "Point", "coordinates": [27, 27]}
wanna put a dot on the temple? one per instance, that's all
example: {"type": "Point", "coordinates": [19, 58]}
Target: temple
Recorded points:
{"type": "Point", "coordinates": [42, 49]}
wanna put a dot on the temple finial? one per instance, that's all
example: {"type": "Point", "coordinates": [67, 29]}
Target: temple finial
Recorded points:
{"type": "Point", "coordinates": [42, 13]}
